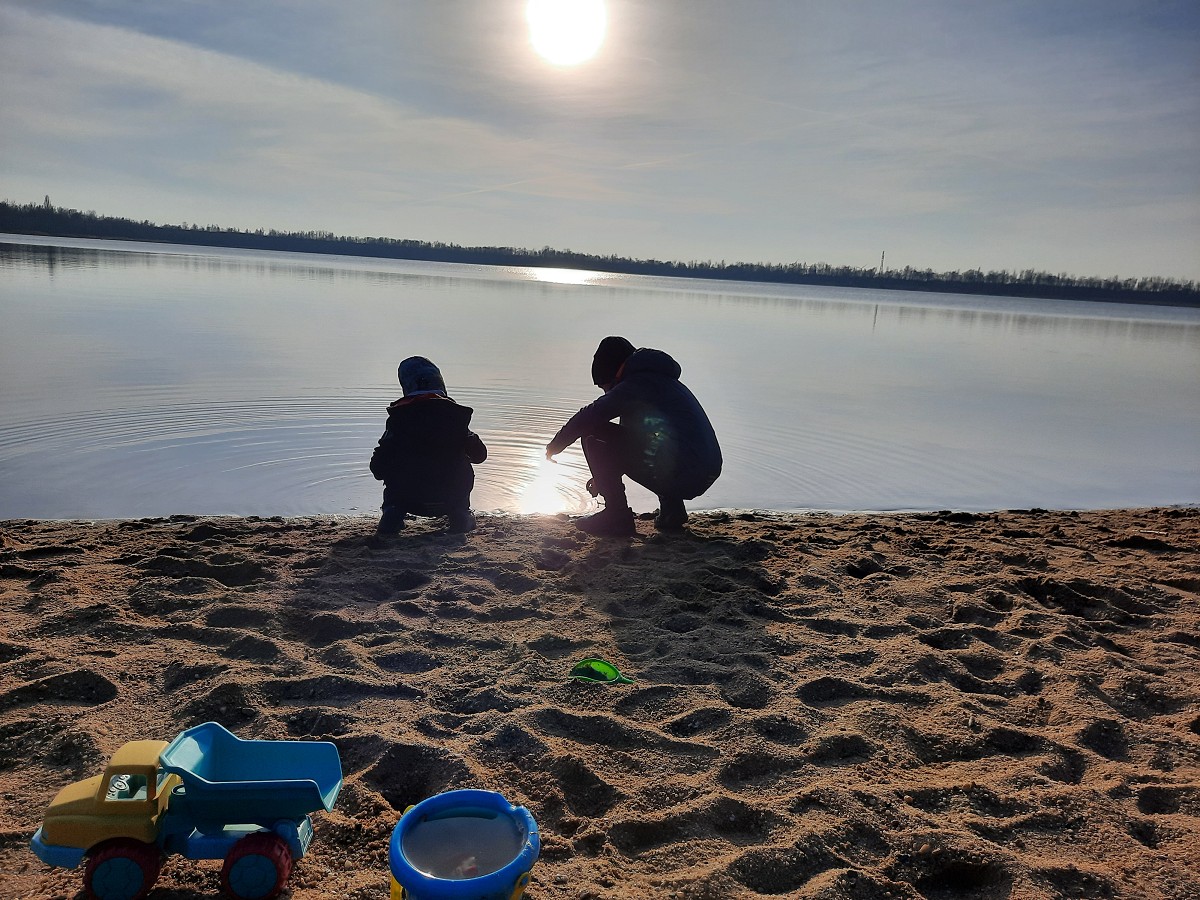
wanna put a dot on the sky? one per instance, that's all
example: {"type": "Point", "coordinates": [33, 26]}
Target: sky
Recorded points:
{"type": "Point", "coordinates": [1058, 136]}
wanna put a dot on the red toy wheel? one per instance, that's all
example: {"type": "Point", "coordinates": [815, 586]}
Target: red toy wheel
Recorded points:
{"type": "Point", "coordinates": [257, 867]}
{"type": "Point", "coordinates": [122, 869]}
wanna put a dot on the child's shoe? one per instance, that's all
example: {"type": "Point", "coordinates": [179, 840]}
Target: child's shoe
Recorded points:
{"type": "Point", "coordinates": [612, 521]}
{"type": "Point", "coordinates": [391, 522]}
{"type": "Point", "coordinates": [671, 514]}
{"type": "Point", "coordinates": [461, 522]}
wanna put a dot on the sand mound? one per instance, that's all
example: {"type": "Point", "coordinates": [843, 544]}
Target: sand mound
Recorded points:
{"type": "Point", "coordinates": [945, 705]}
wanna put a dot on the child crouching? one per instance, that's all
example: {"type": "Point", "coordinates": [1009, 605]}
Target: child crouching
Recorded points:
{"type": "Point", "coordinates": [425, 454]}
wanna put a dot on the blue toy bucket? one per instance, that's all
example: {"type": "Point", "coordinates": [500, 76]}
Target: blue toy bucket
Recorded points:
{"type": "Point", "coordinates": [463, 845]}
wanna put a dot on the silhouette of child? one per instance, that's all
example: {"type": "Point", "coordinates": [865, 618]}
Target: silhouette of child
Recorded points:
{"type": "Point", "coordinates": [425, 454]}
{"type": "Point", "coordinates": [664, 440]}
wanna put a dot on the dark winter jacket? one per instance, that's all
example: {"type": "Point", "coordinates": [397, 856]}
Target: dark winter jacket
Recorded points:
{"type": "Point", "coordinates": [676, 447]}
{"type": "Point", "coordinates": [426, 451]}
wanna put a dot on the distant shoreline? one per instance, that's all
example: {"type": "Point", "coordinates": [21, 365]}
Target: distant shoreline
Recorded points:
{"type": "Point", "coordinates": [43, 220]}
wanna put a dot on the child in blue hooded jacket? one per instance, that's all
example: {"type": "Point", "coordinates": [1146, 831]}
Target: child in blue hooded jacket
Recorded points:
{"type": "Point", "coordinates": [425, 454]}
{"type": "Point", "coordinates": [663, 440]}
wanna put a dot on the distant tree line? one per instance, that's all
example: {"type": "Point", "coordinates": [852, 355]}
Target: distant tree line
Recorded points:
{"type": "Point", "coordinates": [46, 219]}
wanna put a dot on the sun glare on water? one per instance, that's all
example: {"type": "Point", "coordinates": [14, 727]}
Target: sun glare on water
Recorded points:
{"type": "Point", "coordinates": [566, 32]}
{"type": "Point", "coordinates": [544, 492]}
{"type": "Point", "coordinates": [564, 276]}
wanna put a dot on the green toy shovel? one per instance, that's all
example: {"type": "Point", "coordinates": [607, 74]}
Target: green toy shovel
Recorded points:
{"type": "Point", "coordinates": [599, 671]}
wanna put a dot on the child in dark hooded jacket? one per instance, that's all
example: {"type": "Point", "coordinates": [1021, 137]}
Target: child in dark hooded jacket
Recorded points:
{"type": "Point", "coordinates": [664, 440]}
{"type": "Point", "coordinates": [425, 454]}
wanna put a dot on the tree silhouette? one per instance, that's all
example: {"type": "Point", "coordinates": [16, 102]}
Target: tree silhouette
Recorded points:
{"type": "Point", "coordinates": [46, 219]}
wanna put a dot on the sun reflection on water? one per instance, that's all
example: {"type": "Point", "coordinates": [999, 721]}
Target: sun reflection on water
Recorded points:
{"type": "Point", "coordinates": [565, 276]}
{"type": "Point", "coordinates": [548, 490]}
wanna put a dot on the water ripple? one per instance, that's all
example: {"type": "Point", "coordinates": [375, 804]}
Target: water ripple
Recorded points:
{"type": "Point", "coordinates": [242, 392]}
{"type": "Point", "coordinates": [242, 457]}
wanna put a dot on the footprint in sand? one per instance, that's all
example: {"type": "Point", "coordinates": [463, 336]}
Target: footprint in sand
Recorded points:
{"type": "Point", "coordinates": [318, 723]}
{"type": "Point", "coordinates": [332, 688]}
{"type": "Point", "coordinates": [406, 774]}
{"type": "Point", "coordinates": [236, 616]}
{"type": "Point", "coordinates": [227, 703]}
{"type": "Point", "coordinates": [1161, 800]}
{"type": "Point", "coordinates": [20, 740]}
{"type": "Point", "coordinates": [555, 646]}
{"type": "Point", "coordinates": [841, 749]}
{"type": "Point", "coordinates": [406, 662]}
{"type": "Point", "coordinates": [584, 792]}
{"type": "Point", "coordinates": [750, 769]}
{"type": "Point", "coordinates": [229, 571]}
{"type": "Point", "coordinates": [698, 721]}
{"type": "Point", "coordinates": [780, 870]}
{"type": "Point", "coordinates": [252, 648]}
{"type": "Point", "coordinates": [81, 687]}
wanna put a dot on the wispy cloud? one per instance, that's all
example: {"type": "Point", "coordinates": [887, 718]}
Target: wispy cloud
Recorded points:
{"type": "Point", "coordinates": [952, 133]}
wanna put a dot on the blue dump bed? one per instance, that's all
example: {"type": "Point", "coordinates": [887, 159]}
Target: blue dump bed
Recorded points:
{"type": "Point", "coordinates": [227, 780]}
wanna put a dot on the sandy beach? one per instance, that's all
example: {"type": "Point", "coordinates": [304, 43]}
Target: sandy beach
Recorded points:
{"type": "Point", "coordinates": [1000, 705]}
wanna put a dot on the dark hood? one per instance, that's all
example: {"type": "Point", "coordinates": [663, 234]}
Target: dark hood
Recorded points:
{"type": "Point", "coordinates": [647, 361]}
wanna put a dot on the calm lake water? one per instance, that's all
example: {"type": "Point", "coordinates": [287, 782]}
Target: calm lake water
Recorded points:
{"type": "Point", "coordinates": [148, 379]}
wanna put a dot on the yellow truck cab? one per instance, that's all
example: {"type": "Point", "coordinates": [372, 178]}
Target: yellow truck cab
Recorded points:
{"type": "Point", "coordinates": [126, 801]}
{"type": "Point", "coordinates": [208, 794]}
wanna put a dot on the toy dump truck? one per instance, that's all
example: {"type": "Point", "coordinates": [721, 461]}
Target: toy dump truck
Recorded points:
{"type": "Point", "coordinates": [206, 795]}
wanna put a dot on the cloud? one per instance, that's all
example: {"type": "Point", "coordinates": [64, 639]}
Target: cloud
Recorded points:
{"type": "Point", "coordinates": [115, 99]}
{"type": "Point", "coordinates": [760, 130]}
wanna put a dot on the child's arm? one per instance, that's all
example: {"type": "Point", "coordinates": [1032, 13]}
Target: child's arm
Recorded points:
{"type": "Point", "coordinates": [476, 451]}
{"type": "Point", "coordinates": [381, 459]}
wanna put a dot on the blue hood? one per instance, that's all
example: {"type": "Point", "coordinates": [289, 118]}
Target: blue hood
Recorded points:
{"type": "Point", "coordinates": [417, 375]}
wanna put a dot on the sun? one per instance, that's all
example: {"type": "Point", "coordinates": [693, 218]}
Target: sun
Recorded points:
{"type": "Point", "coordinates": [566, 32]}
